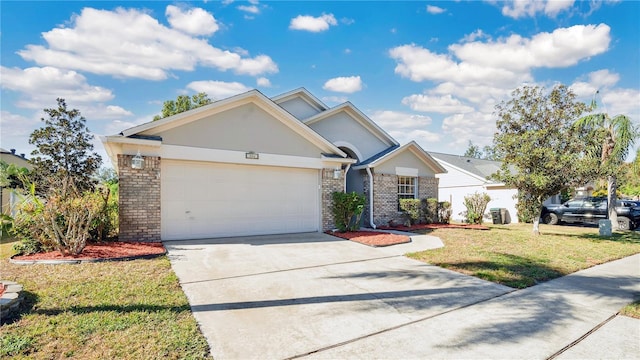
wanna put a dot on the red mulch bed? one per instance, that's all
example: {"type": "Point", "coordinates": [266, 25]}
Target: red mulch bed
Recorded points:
{"type": "Point", "coordinates": [434, 226]}
{"type": "Point", "coordinates": [1, 289]}
{"type": "Point", "coordinates": [105, 250]}
{"type": "Point", "coordinates": [372, 238]}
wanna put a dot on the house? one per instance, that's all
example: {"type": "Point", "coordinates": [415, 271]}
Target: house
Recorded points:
{"type": "Point", "coordinates": [8, 196]}
{"type": "Point", "coordinates": [467, 175]}
{"type": "Point", "coordinates": [250, 165]}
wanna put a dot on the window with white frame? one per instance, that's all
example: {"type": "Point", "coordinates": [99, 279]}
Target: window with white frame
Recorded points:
{"type": "Point", "coordinates": [406, 187]}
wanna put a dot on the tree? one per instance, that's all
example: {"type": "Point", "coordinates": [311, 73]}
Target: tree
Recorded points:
{"type": "Point", "coordinates": [183, 103]}
{"type": "Point", "coordinates": [613, 139]}
{"type": "Point", "coordinates": [473, 151]}
{"type": "Point", "coordinates": [542, 152]}
{"type": "Point", "coordinates": [63, 158]}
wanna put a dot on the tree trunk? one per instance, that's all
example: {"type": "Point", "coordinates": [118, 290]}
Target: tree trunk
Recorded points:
{"type": "Point", "coordinates": [536, 221]}
{"type": "Point", "coordinates": [611, 202]}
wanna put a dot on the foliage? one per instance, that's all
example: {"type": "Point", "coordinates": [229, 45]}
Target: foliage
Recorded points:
{"type": "Point", "coordinates": [413, 208]}
{"type": "Point", "coordinates": [183, 103]}
{"type": "Point", "coordinates": [347, 210]}
{"type": "Point", "coordinates": [476, 205]}
{"type": "Point", "coordinates": [486, 153]}
{"type": "Point", "coordinates": [63, 151]}
{"type": "Point", "coordinates": [629, 177]}
{"type": "Point", "coordinates": [430, 210]}
{"type": "Point", "coordinates": [612, 139]}
{"type": "Point", "coordinates": [444, 212]}
{"type": "Point", "coordinates": [510, 255]}
{"type": "Point", "coordinates": [604, 192]}
{"type": "Point", "coordinates": [543, 152]}
{"type": "Point", "coordinates": [526, 208]}
{"type": "Point", "coordinates": [11, 175]}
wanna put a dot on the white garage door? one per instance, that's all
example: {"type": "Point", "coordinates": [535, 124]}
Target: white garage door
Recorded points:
{"type": "Point", "coordinates": [204, 200]}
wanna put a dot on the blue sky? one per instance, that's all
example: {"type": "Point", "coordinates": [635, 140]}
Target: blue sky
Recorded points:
{"type": "Point", "coordinates": [425, 71]}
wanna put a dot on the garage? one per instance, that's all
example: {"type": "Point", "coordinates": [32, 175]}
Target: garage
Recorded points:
{"type": "Point", "coordinates": [205, 200]}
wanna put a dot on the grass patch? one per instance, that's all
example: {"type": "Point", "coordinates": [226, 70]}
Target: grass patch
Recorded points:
{"type": "Point", "coordinates": [133, 310]}
{"type": "Point", "coordinates": [512, 256]}
{"type": "Point", "coordinates": [632, 310]}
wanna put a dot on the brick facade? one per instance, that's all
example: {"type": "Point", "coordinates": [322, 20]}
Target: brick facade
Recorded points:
{"type": "Point", "coordinates": [385, 197]}
{"type": "Point", "coordinates": [329, 185]}
{"type": "Point", "coordinates": [139, 199]}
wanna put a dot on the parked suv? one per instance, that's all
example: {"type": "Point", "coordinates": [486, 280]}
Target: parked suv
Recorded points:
{"type": "Point", "coordinates": [590, 210]}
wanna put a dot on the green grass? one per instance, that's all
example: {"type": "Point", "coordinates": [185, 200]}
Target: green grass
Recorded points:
{"type": "Point", "coordinates": [511, 255]}
{"type": "Point", "coordinates": [125, 310]}
{"type": "Point", "coordinates": [632, 310]}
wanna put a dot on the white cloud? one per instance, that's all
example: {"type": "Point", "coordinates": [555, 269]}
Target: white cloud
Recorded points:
{"type": "Point", "coordinates": [446, 104]}
{"type": "Point", "coordinates": [16, 126]}
{"type": "Point", "coordinates": [478, 34]}
{"type": "Point", "coordinates": [561, 48]}
{"type": "Point", "coordinates": [523, 8]}
{"type": "Point", "coordinates": [252, 9]}
{"type": "Point", "coordinates": [313, 24]}
{"type": "Point", "coordinates": [397, 120]}
{"type": "Point", "coordinates": [345, 84]}
{"type": "Point", "coordinates": [195, 21]}
{"type": "Point", "coordinates": [263, 82]}
{"type": "Point", "coordinates": [218, 89]}
{"type": "Point", "coordinates": [131, 43]}
{"type": "Point", "coordinates": [41, 86]}
{"type": "Point", "coordinates": [431, 9]}
{"type": "Point", "coordinates": [475, 126]}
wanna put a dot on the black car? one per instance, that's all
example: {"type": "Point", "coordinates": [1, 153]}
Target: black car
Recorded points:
{"type": "Point", "coordinates": [590, 210]}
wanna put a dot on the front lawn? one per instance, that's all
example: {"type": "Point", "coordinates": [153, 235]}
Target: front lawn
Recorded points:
{"type": "Point", "coordinates": [512, 256]}
{"type": "Point", "coordinates": [126, 310]}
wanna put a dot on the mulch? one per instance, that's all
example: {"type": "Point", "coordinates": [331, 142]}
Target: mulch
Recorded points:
{"type": "Point", "coordinates": [434, 226]}
{"type": "Point", "coordinates": [372, 238]}
{"type": "Point", "coordinates": [104, 250]}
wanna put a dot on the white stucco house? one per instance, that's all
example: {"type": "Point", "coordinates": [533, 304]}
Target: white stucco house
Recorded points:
{"type": "Point", "coordinates": [250, 165]}
{"type": "Point", "coordinates": [467, 175]}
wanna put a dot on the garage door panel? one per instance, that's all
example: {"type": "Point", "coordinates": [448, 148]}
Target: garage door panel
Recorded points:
{"type": "Point", "coordinates": [201, 200]}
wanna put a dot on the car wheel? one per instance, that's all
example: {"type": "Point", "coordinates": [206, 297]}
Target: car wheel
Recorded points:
{"type": "Point", "coordinates": [624, 223]}
{"type": "Point", "coordinates": [550, 218]}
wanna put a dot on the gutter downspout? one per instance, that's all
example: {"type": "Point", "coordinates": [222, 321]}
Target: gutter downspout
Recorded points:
{"type": "Point", "coordinates": [346, 170]}
{"type": "Point", "coordinates": [373, 225]}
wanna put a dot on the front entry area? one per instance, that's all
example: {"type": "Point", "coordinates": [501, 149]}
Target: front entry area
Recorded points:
{"type": "Point", "coordinates": [208, 200]}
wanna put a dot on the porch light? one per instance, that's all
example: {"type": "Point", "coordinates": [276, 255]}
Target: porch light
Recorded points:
{"type": "Point", "coordinates": [137, 162]}
{"type": "Point", "coordinates": [337, 173]}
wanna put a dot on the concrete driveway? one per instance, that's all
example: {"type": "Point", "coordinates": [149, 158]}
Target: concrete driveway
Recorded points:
{"type": "Point", "coordinates": [316, 296]}
{"type": "Point", "coordinates": [275, 297]}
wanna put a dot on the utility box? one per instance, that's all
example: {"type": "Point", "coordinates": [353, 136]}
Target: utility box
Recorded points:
{"type": "Point", "coordinates": [605, 227]}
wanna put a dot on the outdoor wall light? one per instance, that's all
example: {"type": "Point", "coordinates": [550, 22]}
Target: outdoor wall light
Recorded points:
{"type": "Point", "coordinates": [137, 162]}
{"type": "Point", "coordinates": [337, 173]}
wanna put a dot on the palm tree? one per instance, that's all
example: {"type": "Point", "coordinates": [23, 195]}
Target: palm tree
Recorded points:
{"type": "Point", "coordinates": [613, 139]}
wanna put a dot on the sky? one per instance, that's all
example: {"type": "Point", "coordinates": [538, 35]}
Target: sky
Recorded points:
{"type": "Point", "coordinates": [425, 71]}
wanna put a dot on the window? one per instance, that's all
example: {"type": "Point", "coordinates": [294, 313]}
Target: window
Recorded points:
{"type": "Point", "coordinates": [406, 187]}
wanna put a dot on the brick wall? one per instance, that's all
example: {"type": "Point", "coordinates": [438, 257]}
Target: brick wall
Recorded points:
{"type": "Point", "coordinates": [329, 185]}
{"type": "Point", "coordinates": [385, 197]}
{"type": "Point", "coordinates": [139, 199]}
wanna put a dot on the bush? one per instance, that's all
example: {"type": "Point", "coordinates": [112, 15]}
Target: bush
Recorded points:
{"type": "Point", "coordinates": [526, 208]}
{"type": "Point", "coordinates": [444, 212]}
{"type": "Point", "coordinates": [347, 210]}
{"type": "Point", "coordinates": [476, 205]}
{"type": "Point", "coordinates": [105, 225]}
{"type": "Point", "coordinates": [430, 209]}
{"type": "Point", "coordinates": [413, 208]}
{"type": "Point", "coordinates": [61, 222]}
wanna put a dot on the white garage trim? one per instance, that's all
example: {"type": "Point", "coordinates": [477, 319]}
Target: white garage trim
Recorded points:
{"type": "Point", "coordinates": [207, 200]}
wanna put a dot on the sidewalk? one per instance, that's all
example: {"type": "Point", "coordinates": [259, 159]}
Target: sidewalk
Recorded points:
{"type": "Point", "coordinates": [540, 322]}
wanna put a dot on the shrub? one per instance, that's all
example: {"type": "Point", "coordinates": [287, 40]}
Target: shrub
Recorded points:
{"type": "Point", "coordinates": [444, 212]}
{"type": "Point", "coordinates": [476, 205]}
{"type": "Point", "coordinates": [105, 224]}
{"type": "Point", "coordinates": [412, 208]}
{"type": "Point", "coordinates": [430, 209]}
{"type": "Point", "coordinates": [526, 208]}
{"type": "Point", "coordinates": [347, 210]}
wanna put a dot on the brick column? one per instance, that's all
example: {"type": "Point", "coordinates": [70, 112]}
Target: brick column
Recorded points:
{"type": "Point", "coordinates": [329, 186]}
{"type": "Point", "coordinates": [427, 187]}
{"type": "Point", "coordinates": [139, 200]}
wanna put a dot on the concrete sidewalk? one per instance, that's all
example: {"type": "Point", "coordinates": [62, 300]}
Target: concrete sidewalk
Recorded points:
{"type": "Point", "coordinates": [540, 322]}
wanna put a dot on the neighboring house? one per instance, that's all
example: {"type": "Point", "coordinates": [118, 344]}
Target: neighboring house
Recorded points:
{"type": "Point", "coordinates": [467, 175]}
{"type": "Point", "coordinates": [7, 196]}
{"type": "Point", "coordinates": [250, 165]}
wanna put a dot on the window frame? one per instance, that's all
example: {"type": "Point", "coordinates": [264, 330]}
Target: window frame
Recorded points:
{"type": "Point", "coordinates": [404, 185]}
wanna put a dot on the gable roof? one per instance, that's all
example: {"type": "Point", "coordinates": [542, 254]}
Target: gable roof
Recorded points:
{"type": "Point", "coordinates": [153, 128]}
{"type": "Point", "coordinates": [478, 168]}
{"type": "Point", "coordinates": [392, 152]}
{"type": "Point", "coordinates": [357, 115]}
{"type": "Point", "coordinates": [303, 94]}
